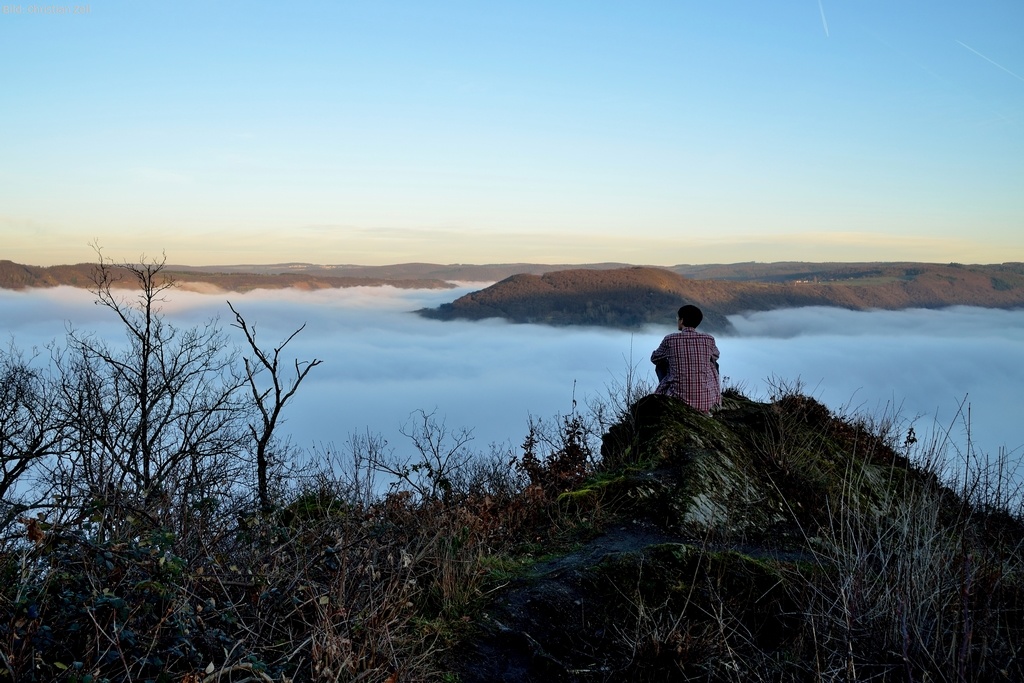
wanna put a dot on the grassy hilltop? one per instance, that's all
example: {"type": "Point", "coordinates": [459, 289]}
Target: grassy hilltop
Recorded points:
{"type": "Point", "coordinates": [772, 542]}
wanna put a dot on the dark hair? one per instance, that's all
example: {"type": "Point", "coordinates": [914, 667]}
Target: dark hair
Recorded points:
{"type": "Point", "coordinates": [690, 315]}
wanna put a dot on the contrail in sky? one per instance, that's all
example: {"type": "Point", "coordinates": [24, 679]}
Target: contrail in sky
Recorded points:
{"type": "Point", "coordinates": [987, 59]}
{"type": "Point", "coordinates": [824, 22]}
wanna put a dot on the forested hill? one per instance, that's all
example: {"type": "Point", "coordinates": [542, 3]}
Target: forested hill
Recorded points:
{"type": "Point", "coordinates": [18, 276]}
{"type": "Point", "coordinates": [632, 297]}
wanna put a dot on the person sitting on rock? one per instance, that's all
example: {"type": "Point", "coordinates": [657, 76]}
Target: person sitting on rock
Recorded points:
{"type": "Point", "coordinates": [687, 363]}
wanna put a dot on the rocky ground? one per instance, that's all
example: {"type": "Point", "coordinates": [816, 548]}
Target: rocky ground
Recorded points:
{"type": "Point", "coordinates": [715, 553]}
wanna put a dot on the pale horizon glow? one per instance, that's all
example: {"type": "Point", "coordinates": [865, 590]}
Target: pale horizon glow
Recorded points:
{"type": "Point", "coordinates": [376, 133]}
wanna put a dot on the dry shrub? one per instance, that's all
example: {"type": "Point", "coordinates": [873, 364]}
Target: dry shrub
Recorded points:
{"type": "Point", "coordinates": [919, 585]}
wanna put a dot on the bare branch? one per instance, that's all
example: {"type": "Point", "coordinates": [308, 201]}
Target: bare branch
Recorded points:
{"type": "Point", "coordinates": [269, 401]}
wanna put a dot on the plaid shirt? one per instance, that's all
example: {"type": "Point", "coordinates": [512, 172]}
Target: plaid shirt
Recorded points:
{"type": "Point", "coordinates": [692, 359]}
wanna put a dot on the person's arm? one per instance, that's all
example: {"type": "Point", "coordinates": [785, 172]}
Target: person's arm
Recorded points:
{"type": "Point", "coordinates": [661, 353]}
{"type": "Point", "coordinates": [660, 360]}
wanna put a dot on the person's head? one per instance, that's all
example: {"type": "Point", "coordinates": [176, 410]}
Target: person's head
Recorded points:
{"type": "Point", "coordinates": [690, 316]}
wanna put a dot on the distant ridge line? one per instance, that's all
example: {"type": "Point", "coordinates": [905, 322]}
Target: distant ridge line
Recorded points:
{"type": "Point", "coordinates": [610, 294]}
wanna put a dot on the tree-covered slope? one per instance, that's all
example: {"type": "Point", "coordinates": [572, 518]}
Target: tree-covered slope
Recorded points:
{"type": "Point", "coordinates": [632, 297]}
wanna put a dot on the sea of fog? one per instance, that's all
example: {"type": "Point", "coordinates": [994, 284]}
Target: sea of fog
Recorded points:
{"type": "Point", "coordinates": [950, 372]}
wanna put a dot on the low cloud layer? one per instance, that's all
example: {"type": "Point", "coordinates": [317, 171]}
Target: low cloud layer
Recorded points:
{"type": "Point", "coordinates": [382, 363]}
{"type": "Point", "coordinates": [927, 363]}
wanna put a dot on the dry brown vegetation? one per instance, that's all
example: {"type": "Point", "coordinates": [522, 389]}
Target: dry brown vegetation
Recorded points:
{"type": "Point", "coordinates": [154, 527]}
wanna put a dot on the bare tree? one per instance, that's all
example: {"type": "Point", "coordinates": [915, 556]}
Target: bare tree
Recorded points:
{"type": "Point", "coordinates": [440, 466]}
{"type": "Point", "coordinates": [159, 420]}
{"type": "Point", "coordinates": [30, 430]}
{"type": "Point", "coordinates": [269, 401]}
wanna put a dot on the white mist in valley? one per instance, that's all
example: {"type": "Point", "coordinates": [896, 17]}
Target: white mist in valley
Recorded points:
{"type": "Point", "coordinates": [941, 370]}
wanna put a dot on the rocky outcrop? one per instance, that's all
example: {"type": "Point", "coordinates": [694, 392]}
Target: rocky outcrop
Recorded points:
{"type": "Point", "coordinates": [761, 543]}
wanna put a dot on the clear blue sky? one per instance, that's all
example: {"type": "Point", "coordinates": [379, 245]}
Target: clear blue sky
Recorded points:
{"type": "Point", "coordinates": [476, 132]}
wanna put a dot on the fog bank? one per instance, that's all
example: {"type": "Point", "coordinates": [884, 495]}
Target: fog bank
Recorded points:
{"type": "Point", "coordinates": [381, 362]}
